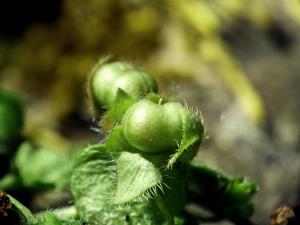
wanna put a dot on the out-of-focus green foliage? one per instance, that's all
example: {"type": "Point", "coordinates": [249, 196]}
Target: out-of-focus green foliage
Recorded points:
{"type": "Point", "coordinates": [38, 169]}
{"type": "Point", "coordinates": [11, 116]}
{"type": "Point", "coordinates": [225, 196]}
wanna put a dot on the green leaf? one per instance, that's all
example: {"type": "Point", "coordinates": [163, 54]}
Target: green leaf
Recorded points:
{"type": "Point", "coordinates": [42, 168]}
{"type": "Point", "coordinates": [136, 175]}
{"type": "Point", "coordinates": [93, 185]}
{"type": "Point", "coordinates": [115, 113]}
{"type": "Point", "coordinates": [11, 122]}
{"type": "Point", "coordinates": [92, 181]}
{"type": "Point", "coordinates": [24, 213]}
{"type": "Point", "coordinates": [174, 189]}
{"type": "Point", "coordinates": [191, 138]}
{"type": "Point", "coordinates": [11, 115]}
{"type": "Point", "coordinates": [13, 212]}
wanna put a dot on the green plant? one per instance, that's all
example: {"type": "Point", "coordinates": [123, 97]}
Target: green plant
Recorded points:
{"type": "Point", "coordinates": [142, 172]}
{"type": "Point", "coordinates": [107, 78]}
{"type": "Point", "coordinates": [22, 165]}
{"type": "Point", "coordinates": [144, 166]}
{"type": "Point", "coordinates": [32, 168]}
{"type": "Point", "coordinates": [11, 121]}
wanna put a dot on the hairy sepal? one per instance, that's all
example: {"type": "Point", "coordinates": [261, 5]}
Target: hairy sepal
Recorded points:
{"type": "Point", "coordinates": [115, 113]}
{"type": "Point", "coordinates": [192, 135]}
{"type": "Point", "coordinates": [156, 98]}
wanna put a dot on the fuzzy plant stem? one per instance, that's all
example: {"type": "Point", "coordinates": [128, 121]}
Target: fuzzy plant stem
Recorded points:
{"type": "Point", "coordinates": [164, 210]}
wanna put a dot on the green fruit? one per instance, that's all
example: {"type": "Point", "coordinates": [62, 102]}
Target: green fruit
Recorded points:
{"type": "Point", "coordinates": [152, 127]}
{"type": "Point", "coordinates": [108, 78]}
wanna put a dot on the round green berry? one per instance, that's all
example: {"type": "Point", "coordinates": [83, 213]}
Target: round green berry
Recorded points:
{"type": "Point", "coordinates": [107, 78]}
{"type": "Point", "coordinates": [152, 127]}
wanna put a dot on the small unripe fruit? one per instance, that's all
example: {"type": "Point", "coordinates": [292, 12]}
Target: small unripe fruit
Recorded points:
{"type": "Point", "coordinates": [150, 127]}
{"type": "Point", "coordinates": [153, 128]}
{"type": "Point", "coordinates": [107, 78]}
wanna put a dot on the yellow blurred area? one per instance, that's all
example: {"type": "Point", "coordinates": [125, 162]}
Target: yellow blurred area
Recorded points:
{"type": "Point", "coordinates": [51, 62]}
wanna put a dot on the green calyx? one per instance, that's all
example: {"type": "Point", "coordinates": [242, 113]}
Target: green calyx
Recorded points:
{"type": "Point", "coordinates": [107, 78]}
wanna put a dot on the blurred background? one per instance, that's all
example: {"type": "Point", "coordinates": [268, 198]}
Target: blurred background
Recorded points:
{"type": "Point", "coordinates": [237, 61]}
